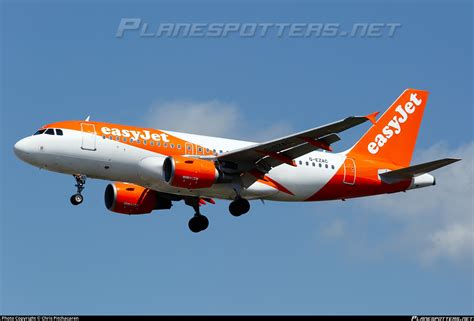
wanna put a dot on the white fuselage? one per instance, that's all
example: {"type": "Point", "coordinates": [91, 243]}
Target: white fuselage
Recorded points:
{"type": "Point", "coordinates": [100, 157]}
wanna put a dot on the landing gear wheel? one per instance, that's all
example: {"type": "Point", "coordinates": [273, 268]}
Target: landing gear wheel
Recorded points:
{"type": "Point", "coordinates": [193, 225]}
{"type": "Point", "coordinates": [76, 199]}
{"type": "Point", "coordinates": [204, 222]}
{"type": "Point", "coordinates": [198, 223]}
{"type": "Point", "coordinates": [239, 206]}
{"type": "Point", "coordinates": [234, 210]}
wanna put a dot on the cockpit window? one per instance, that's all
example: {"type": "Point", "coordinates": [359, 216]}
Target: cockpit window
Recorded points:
{"type": "Point", "coordinates": [39, 132]}
{"type": "Point", "coordinates": [59, 132]}
{"type": "Point", "coordinates": [49, 131]}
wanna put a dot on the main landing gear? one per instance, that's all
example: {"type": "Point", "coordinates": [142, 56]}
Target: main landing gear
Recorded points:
{"type": "Point", "coordinates": [199, 222]}
{"type": "Point", "coordinates": [77, 198]}
{"type": "Point", "coordinates": [239, 206]}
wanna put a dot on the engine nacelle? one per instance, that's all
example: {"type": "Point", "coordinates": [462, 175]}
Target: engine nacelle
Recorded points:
{"type": "Point", "coordinates": [150, 169]}
{"type": "Point", "coordinates": [126, 198]}
{"type": "Point", "coordinates": [189, 173]}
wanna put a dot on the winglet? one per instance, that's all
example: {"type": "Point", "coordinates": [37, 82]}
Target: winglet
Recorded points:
{"type": "Point", "coordinates": [372, 117]}
{"type": "Point", "coordinates": [88, 117]}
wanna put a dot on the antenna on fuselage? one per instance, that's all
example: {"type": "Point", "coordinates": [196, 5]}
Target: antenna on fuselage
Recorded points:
{"type": "Point", "coordinates": [88, 117]}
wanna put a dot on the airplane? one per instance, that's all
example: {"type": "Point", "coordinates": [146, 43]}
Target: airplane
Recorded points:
{"type": "Point", "coordinates": [153, 168]}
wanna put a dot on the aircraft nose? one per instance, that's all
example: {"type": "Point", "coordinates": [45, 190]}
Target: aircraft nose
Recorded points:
{"type": "Point", "coordinates": [23, 148]}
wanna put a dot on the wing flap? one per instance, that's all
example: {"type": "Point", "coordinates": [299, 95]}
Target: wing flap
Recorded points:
{"type": "Point", "coordinates": [299, 150]}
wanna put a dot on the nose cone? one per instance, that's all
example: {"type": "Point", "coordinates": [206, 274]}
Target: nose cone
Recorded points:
{"type": "Point", "coordinates": [23, 149]}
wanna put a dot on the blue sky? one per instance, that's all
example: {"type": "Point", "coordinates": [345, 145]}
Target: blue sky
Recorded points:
{"type": "Point", "coordinates": [406, 254]}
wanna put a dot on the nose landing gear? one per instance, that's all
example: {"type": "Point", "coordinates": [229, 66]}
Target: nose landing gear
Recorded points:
{"type": "Point", "coordinates": [77, 198]}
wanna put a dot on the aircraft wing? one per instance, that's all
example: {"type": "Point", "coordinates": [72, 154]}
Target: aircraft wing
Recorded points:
{"type": "Point", "coordinates": [267, 155]}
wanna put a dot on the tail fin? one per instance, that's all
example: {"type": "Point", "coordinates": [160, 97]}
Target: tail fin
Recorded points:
{"type": "Point", "coordinates": [393, 137]}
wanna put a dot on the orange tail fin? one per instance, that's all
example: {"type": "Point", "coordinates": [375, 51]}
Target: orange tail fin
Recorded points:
{"type": "Point", "coordinates": [393, 137]}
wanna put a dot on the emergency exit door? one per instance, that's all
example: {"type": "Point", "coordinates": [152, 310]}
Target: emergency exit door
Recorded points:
{"type": "Point", "coordinates": [349, 171]}
{"type": "Point", "coordinates": [88, 136]}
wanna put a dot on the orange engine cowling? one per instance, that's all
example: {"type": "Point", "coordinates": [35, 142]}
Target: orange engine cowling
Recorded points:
{"type": "Point", "coordinates": [189, 173]}
{"type": "Point", "coordinates": [126, 198]}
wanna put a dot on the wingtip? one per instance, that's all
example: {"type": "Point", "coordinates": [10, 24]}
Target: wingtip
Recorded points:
{"type": "Point", "coordinates": [373, 117]}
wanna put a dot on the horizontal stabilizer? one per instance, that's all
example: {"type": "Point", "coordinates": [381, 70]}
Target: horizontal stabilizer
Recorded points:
{"type": "Point", "coordinates": [412, 171]}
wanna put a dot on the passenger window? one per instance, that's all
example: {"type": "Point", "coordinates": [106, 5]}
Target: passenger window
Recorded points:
{"type": "Point", "coordinates": [220, 151]}
{"type": "Point", "coordinates": [171, 145]}
{"type": "Point", "coordinates": [314, 164]}
{"type": "Point", "coordinates": [200, 149]}
{"type": "Point", "coordinates": [165, 145]}
{"type": "Point", "coordinates": [189, 147]}
{"type": "Point", "coordinates": [332, 166]}
{"type": "Point", "coordinates": [124, 139]}
{"type": "Point", "coordinates": [49, 131]}
{"type": "Point", "coordinates": [103, 136]}
{"type": "Point", "coordinates": [301, 163]}
{"type": "Point", "coordinates": [320, 165]}
{"type": "Point", "coordinates": [307, 163]}
{"type": "Point", "coordinates": [179, 146]}
{"type": "Point", "coordinates": [39, 132]}
{"type": "Point", "coordinates": [117, 138]}
{"type": "Point", "coordinates": [111, 137]}
{"type": "Point", "coordinates": [326, 165]}
{"type": "Point", "coordinates": [144, 142]}
{"type": "Point", "coordinates": [152, 143]}
{"type": "Point", "coordinates": [138, 141]}
{"type": "Point", "coordinates": [158, 144]}
{"type": "Point", "coordinates": [59, 132]}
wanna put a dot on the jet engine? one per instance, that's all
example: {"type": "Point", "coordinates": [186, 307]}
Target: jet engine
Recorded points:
{"type": "Point", "coordinates": [189, 173]}
{"type": "Point", "coordinates": [126, 198]}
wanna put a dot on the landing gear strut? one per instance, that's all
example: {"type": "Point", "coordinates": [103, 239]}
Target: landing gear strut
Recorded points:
{"type": "Point", "coordinates": [239, 206]}
{"type": "Point", "coordinates": [77, 198]}
{"type": "Point", "coordinates": [199, 222]}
